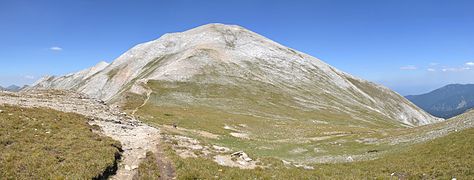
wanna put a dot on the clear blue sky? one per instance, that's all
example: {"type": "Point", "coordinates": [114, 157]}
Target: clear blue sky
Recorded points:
{"type": "Point", "coordinates": [411, 46]}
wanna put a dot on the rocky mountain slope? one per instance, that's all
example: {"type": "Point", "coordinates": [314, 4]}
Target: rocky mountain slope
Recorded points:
{"type": "Point", "coordinates": [232, 69]}
{"type": "Point", "coordinates": [72, 80]}
{"type": "Point", "coordinates": [447, 101]}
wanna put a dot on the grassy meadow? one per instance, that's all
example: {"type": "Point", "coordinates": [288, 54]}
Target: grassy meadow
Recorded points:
{"type": "Point", "coordinates": [38, 143]}
{"type": "Point", "coordinates": [444, 158]}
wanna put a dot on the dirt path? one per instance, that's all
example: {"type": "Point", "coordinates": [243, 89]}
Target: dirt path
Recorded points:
{"type": "Point", "coordinates": [167, 169]}
{"type": "Point", "coordinates": [136, 138]}
{"type": "Point", "coordinates": [148, 94]}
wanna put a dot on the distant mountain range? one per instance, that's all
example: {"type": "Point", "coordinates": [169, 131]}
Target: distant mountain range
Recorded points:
{"type": "Point", "coordinates": [446, 102]}
{"type": "Point", "coordinates": [12, 88]}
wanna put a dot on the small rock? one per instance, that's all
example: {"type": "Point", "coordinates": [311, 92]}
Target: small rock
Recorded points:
{"type": "Point", "coordinates": [286, 162]}
{"type": "Point", "coordinates": [247, 159]}
{"type": "Point", "coordinates": [304, 166]}
{"type": "Point", "coordinates": [238, 153]}
{"type": "Point", "coordinates": [350, 159]}
{"type": "Point", "coordinates": [1, 111]}
{"type": "Point", "coordinates": [220, 148]}
{"type": "Point", "coordinates": [243, 125]}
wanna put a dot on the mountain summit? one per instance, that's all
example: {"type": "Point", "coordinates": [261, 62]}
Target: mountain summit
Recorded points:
{"type": "Point", "coordinates": [227, 68]}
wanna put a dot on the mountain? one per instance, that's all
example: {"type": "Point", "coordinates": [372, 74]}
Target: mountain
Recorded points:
{"type": "Point", "coordinates": [71, 80]}
{"type": "Point", "coordinates": [12, 88]}
{"type": "Point", "coordinates": [229, 69]}
{"type": "Point", "coordinates": [446, 102]}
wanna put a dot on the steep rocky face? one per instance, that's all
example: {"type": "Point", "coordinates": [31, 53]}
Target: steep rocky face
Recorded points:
{"type": "Point", "coordinates": [447, 101]}
{"type": "Point", "coordinates": [232, 69]}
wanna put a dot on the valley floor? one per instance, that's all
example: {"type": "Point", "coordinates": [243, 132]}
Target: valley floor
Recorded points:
{"type": "Point", "coordinates": [448, 157]}
{"type": "Point", "coordinates": [205, 139]}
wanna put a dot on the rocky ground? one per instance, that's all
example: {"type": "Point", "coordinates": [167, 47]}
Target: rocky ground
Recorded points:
{"type": "Point", "coordinates": [136, 138]}
{"type": "Point", "coordinates": [186, 147]}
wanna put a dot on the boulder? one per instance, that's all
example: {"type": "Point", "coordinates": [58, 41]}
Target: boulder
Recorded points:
{"type": "Point", "coordinates": [242, 155]}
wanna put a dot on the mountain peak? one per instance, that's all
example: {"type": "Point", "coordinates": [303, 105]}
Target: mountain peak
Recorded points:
{"type": "Point", "coordinates": [212, 27]}
{"type": "Point", "coordinates": [219, 26]}
{"type": "Point", "coordinates": [205, 36]}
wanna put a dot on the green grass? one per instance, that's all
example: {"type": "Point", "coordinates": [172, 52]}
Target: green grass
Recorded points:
{"type": "Point", "coordinates": [275, 124]}
{"type": "Point", "coordinates": [148, 168]}
{"type": "Point", "coordinates": [131, 101]}
{"type": "Point", "coordinates": [111, 74]}
{"type": "Point", "coordinates": [42, 143]}
{"type": "Point", "coordinates": [443, 158]}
